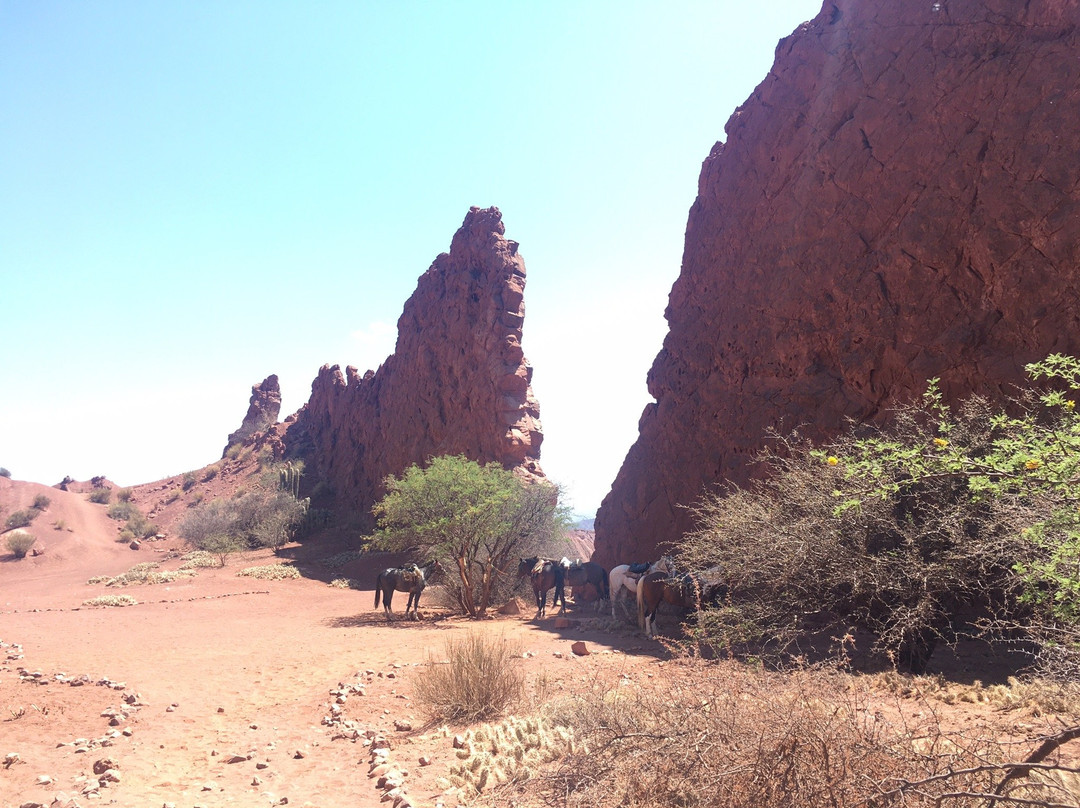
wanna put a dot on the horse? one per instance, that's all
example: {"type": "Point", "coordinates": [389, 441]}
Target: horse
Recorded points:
{"type": "Point", "coordinates": [544, 574]}
{"type": "Point", "coordinates": [588, 572]}
{"type": "Point", "coordinates": [626, 577]}
{"type": "Point", "coordinates": [411, 579]}
{"type": "Point", "coordinates": [682, 590]}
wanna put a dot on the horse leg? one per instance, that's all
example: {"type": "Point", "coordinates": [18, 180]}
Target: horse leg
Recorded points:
{"type": "Point", "coordinates": [388, 595]}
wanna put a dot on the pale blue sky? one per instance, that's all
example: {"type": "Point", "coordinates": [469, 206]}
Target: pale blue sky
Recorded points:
{"type": "Point", "coordinates": [195, 195]}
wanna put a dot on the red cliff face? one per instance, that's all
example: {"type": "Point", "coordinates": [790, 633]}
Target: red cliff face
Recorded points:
{"type": "Point", "coordinates": [457, 382]}
{"type": "Point", "coordinates": [899, 199]}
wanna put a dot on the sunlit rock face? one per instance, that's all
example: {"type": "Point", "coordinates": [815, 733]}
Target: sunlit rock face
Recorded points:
{"type": "Point", "coordinates": [457, 382]}
{"type": "Point", "coordinates": [899, 199]}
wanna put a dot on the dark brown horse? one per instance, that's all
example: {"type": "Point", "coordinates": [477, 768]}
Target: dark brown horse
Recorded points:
{"type": "Point", "coordinates": [588, 572]}
{"type": "Point", "coordinates": [411, 579]}
{"type": "Point", "coordinates": [544, 574]}
{"type": "Point", "coordinates": [683, 590]}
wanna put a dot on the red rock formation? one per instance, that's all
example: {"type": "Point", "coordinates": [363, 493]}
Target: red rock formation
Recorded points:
{"type": "Point", "coordinates": [457, 382]}
{"type": "Point", "coordinates": [897, 200]}
{"type": "Point", "coordinates": [263, 409]}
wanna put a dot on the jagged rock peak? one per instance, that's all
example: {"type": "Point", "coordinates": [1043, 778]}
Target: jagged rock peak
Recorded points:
{"type": "Point", "coordinates": [899, 199]}
{"type": "Point", "coordinates": [263, 410]}
{"type": "Point", "coordinates": [457, 382]}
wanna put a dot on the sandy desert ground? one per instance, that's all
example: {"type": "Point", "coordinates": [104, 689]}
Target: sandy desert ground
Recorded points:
{"type": "Point", "coordinates": [218, 689]}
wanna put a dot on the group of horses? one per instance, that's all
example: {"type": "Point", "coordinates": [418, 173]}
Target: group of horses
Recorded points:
{"type": "Point", "coordinates": [651, 584]}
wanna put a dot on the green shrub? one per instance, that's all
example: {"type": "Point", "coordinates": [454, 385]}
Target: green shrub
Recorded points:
{"type": "Point", "coordinates": [189, 480]}
{"type": "Point", "coordinates": [101, 496]}
{"type": "Point", "coordinates": [124, 495]}
{"type": "Point", "coordinates": [210, 473]}
{"type": "Point", "coordinates": [121, 511]}
{"type": "Point", "coordinates": [41, 502]}
{"type": "Point", "coordinates": [480, 679]}
{"type": "Point", "coordinates": [4, 472]}
{"type": "Point", "coordinates": [21, 518]}
{"type": "Point", "coordinates": [20, 542]}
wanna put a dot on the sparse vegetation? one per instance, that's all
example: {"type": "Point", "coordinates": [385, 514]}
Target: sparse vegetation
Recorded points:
{"type": "Point", "coordinates": [734, 735]}
{"type": "Point", "coordinates": [4, 472]}
{"type": "Point", "coordinates": [479, 680]}
{"type": "Point", "coordinates": [147, 573]}
{"type": "Point", "coordinates": [41, 503]}
{"type": "Point", "coordinates": [111, 600]}
{"type": "Point", "coordinates": [270, 572]}
{"type": "Point", "coordinates": [101, 496]}
{"type": "Point", "coordinates": [60, 524]}
{"type": "Point", "coordinates": [474, 519]}
{"type": "Point", "coordinates": [20, 542]}
{"type": "Point", "coordinates": [190, 480]}
{"type": "Point", "coordinates": [512, 751]}
{"type": "Point", "coordinates": [21, 518]}
{"type": "Point", "coordinates": [124, 495]}
{"type": "Point", "coordinates": [198, 560]}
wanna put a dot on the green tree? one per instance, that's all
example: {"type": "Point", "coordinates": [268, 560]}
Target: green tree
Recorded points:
{"type": "Point", "coordinates": [475, 519]}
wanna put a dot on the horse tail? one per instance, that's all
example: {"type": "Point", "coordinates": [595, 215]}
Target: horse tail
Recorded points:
{"type": "Point", "coordinates": [641, 603]}
{"type": "Point", "coordinates": [378, 589]}
{"type": "Point", "coordinates": [606, 579]}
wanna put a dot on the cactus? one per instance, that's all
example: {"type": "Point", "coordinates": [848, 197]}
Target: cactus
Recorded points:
{"type": "Point", "coordinates": [289, 479]}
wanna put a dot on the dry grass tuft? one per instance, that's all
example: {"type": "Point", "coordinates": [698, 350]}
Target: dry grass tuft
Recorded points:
{"type": "Point", "coordinates": [111, 600]}
{"type": "Point", "coordinates": [271, 572]}
{"type": "Point", "coordinates": [480, 679]}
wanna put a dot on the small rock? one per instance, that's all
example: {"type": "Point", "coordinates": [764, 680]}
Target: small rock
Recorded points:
{"type": "Point", "coordinates": [562, 622]}
{"type": "Point", "coordinates": [425, 760]}
{"type": "Point", "coordinates": [579, 648]}
{"type": "Point", "coordinates": [299, 754]}
{"type": "Point", "coordinates": [510, 607]}
{"type": "Point", "coordinates": [459, 741]}
{"type": "Point", "coordinates": [103, 765]}
{"type": "Point", "coordinates": [238, 758]}
{"type": "Point", "coordinates": [403, 726]}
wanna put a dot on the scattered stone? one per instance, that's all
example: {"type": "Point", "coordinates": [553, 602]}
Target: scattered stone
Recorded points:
{"type": "Point", "coordinates": [104, 764]}
{"type": "Point", "coordinates": [459, 741]}
{"type": "Point", "coordinates": [425, 760]}
{"type": "Point", "coordinates": [511, 606]}
{"type": "Point", "coordinates": [403, 726]}
{"type": "Point", "coordinates": [11, 759]}
{"type": "Point", "coordinates": [238, 758]}
{"type": "Point", "coordinates": [579, 648]}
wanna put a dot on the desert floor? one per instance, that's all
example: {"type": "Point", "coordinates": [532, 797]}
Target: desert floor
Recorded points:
{"type": "Point", "coordinates": [219, 690]}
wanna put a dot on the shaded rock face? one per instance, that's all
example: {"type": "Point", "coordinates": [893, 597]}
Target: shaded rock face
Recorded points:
{"type": "Point", "coordinates": [263, 409]}
{"type": "Point", "coordinates": [457, 382]}
{"type": "Point", "coordinates": [899, 199]}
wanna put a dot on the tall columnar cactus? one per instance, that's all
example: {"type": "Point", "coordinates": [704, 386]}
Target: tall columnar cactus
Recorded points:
{"type": "Point", "coordinates": [289, 479]}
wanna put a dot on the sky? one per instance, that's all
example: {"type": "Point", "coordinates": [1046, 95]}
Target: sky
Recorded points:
{"type": "Point", "coordinates": [195, 195]}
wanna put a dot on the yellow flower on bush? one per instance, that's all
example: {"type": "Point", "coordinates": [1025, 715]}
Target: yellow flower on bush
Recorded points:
{"type": "Point", "coordinates": [941, 443]}
{"type": "Point", "coordinates": [1032, 464]}
{"type": "Point", "coordinates": [1069, 405]}
{"type": "Point", "coordinates": [832, 461]}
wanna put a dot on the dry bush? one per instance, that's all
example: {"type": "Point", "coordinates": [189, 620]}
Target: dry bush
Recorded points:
{"type": "Point", "coordinates": [20, 542]}
{"type": "Point", "coordinates": [270, 572]}
{"type": "Point", "coordinates": [727, 735]}
{"type": "Point", "coordinates": [479, 679]}
{"type": "Point", "coordinates": [111, 600]}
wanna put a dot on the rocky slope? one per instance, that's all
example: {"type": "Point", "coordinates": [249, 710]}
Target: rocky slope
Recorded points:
{"type": "Point", "coordinates": [457, 382]}
{"type": "Point", "coordinates": [897, 200]}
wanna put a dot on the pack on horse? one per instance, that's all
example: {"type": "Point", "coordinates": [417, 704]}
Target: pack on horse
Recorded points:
{"type": "Point", "coordinates": [410, 578]}
{"type": "Point", "coordinates": [582, 573]}
{"type": "Point", "coordinates": [688, 591]}
{"type": "Point", "coordinates": [626, 576]}
{"type": "Point", "coordinates": [544, 574]}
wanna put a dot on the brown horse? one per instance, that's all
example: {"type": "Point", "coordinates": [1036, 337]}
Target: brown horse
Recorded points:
{"type": "Point", "coordinates": [411, 579]}
{"type": "Point", "coordinates": [544, 574]}
{"type": "Point", "coordinates": [588, 572]}
{"type": "Point", "coordinates": [681, 590]}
